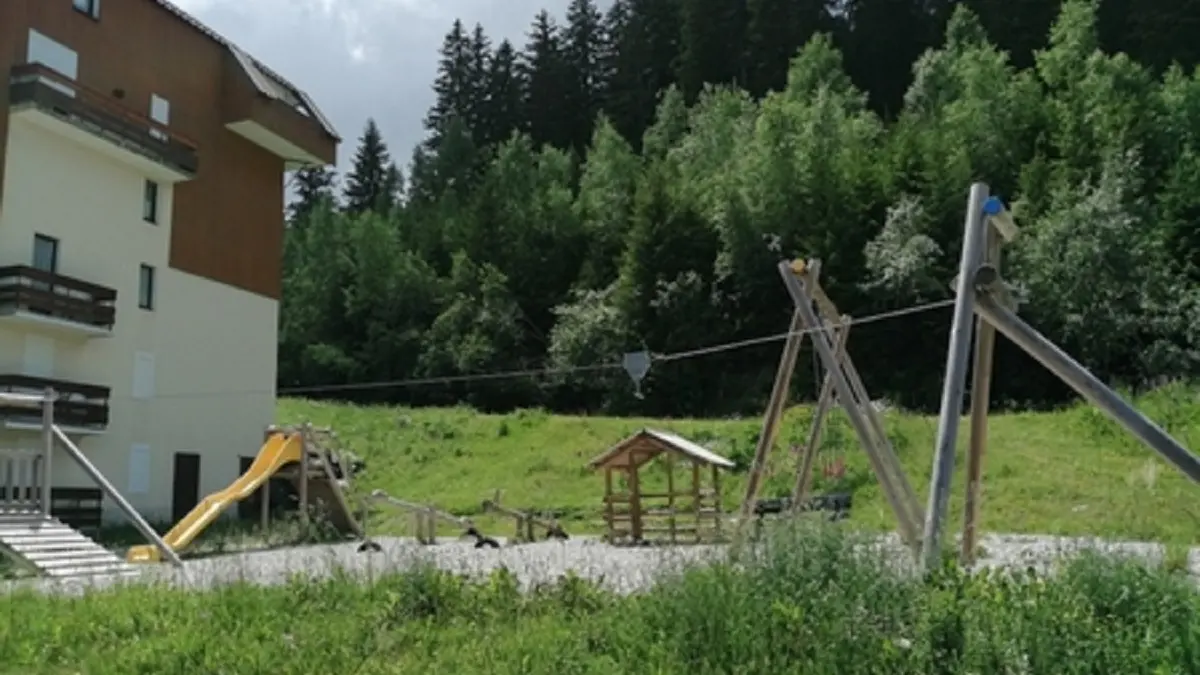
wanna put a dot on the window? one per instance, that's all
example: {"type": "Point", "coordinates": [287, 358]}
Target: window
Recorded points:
{"type": "Point", "coordinates": [89, 7]}
{"type": "Point", "coordinates": [139, 469]}
{"type": "Point", "coordinates": [56, 57]}
{"type": "Point", "coordinates": [143, 375]}
{"type": "Point", "coordinates": [150, 202]}
{"type": "Point", "coordinates": [146, 287]}
{"type": "Point", "coordinates": [45, 253]}
{"type": "Point", "coordinates": [160, 111]}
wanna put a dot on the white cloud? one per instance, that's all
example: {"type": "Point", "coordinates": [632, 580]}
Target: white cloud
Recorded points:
{"type": "Point", "coordinates": [362, 58]}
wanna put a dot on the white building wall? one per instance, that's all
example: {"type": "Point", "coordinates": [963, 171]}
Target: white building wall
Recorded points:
{"type": "Point", "coordinates": [213, 346]}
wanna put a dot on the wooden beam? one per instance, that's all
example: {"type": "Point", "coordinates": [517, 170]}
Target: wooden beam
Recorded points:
{"type": "Point", "coordinates": [886, 451]}
{"type": "Point", "coordinates": [824, 404]}
{"type": "Point", "coordinates": [981, 392]}
{"type": "Point", "coordinates": [842, 388]}
{"type": "Point", "coordinates": [770, 424]}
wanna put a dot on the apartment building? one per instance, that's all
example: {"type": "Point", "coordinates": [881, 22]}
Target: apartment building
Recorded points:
{"type": "Point", "coordinates": [141, 227]}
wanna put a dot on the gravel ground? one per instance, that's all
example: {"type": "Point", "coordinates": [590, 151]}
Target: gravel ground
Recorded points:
{"type": "Point", "coordinates": [618, 568]}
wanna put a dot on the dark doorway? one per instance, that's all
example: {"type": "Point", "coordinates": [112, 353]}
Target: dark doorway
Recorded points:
{"type": "Point", "coordinates": [283, 495]}
{"type": "Point", "coordinates": [250, 508]}
{"type": "Point", "coordinates": [186, 491]}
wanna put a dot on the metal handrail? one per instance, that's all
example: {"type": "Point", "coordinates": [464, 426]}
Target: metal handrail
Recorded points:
{"type": "Point", "coordinates": [108, 488]}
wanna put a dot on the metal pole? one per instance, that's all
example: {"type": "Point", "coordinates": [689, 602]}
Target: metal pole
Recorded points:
{"type": "Point", "coordinates": [131, 513]}
{"type": "Point", "coordinates": [957, 361]}
{"type": "Point", "coordinates": [981, 396]}
{"type": "Point", "coordinates": [1088, 385]}
{"type": "Point", "coordinates": [47, 451]}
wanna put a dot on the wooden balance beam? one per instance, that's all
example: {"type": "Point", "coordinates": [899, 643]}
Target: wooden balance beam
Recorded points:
{"type": "Point", "coordinates": [525, 521]}
{"type": "Point", "coordinates": [425, 520]}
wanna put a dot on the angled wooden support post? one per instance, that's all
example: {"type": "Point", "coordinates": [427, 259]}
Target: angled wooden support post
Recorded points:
{"type": "Point", "coordinates": [846, 394]}
{"type": "Point", "coordinates": [1000, 230]}
{"type": "Point", "coordinates": [1087, 385]}
{"type": "Point", "coordinates": [772, 418]}
{"type": "Point", "coordinates": [825, 401]}
{"type": "Point", "coordinates": [862, 399]}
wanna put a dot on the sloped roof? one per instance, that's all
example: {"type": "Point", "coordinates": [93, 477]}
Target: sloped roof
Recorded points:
{"type": "Point", "coordinates": [665, 441]}
{"type": "Point", "coordinates": [267, 81]}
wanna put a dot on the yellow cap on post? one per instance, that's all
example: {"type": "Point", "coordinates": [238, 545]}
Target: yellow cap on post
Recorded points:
{"type": "Point", "coordinates": [798, 266]}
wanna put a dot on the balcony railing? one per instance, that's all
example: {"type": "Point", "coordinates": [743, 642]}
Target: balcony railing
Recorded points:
{"type": "Point", "coordinates": [30, 290]}
{"type": "Point", "coordinates": [78, 405]}
{"type": "Point", "coordinates": [50, 91]}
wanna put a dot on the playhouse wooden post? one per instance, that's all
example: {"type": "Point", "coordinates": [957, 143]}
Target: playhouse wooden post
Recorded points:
{"type": "Point", "coordinates": [609, 514]}
{"type": "Point", "coordinates": [669, 461]}
{"type": "Point", "coordinates": [717, 498]}
{"type": "Point", "coordinates": [635, 502]}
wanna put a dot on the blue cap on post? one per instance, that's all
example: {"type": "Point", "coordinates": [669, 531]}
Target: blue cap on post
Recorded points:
{"type": "Point", "coordinates": [993, 206]}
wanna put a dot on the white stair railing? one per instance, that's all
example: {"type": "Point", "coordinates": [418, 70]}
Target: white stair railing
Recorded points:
{"type": "Point", "coordinates": [19, 478]}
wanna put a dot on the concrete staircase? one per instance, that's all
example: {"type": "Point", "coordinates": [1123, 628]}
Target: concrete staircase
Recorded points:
{"type": "Point", "coordinates": [55, 550]}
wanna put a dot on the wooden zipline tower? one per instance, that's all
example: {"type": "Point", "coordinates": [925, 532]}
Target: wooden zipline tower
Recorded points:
{"type": "Point", "coordinates": [817, 316]}
{"type": "Point", "coordinates": [984, 299]}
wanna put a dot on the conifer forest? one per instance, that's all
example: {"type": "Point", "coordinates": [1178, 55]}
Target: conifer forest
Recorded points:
{"type": "Point", "coordinates": [628, 177]}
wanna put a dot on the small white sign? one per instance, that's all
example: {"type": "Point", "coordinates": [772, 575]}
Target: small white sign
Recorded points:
{"type": "Point", "coordinates": [139, 469]}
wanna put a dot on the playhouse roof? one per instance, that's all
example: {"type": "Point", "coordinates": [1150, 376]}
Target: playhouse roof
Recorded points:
{"type": "Point", "coordinates": [651, 443]}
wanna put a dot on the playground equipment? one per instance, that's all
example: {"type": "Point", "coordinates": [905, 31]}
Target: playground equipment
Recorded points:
{"type": "Point", "coordinates": [627, 515]}
{"type": "Point", "coordinates": [29, 533]}
{"type": "Point", "coordinates": [982, 295]}
{"type": "Point", "coordinates": [525, 521]}
{"type": "Point", "coordinates": [425, 520]}
{"type": "Point", "coordinates": [829, 330]}
{"type": "Point", "coordinates": [291, 453]}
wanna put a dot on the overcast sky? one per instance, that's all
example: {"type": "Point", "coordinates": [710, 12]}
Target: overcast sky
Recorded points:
{"type": "Point", "coordinates": [363, 58]}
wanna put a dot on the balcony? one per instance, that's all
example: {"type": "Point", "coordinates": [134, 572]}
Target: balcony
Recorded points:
{"type": "Point", "coordinates": [49, 302]}
{"type": "Point", "coordinates": [80, 408]}
{"type": "Point", "coordinates": [62, 106]}
{"type": "Point", "coordinates": [275, 116]}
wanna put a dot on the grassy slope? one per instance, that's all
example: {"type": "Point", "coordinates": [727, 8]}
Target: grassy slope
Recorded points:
{"type": "Point", "coordinates": [1069, 472]}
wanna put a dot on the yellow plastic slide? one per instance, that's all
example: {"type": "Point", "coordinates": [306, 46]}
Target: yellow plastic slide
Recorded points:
{"type": "Point", "coordinates": [277, 452]}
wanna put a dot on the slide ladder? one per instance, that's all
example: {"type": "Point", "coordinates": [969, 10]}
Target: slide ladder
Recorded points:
{"type": "Point", "coordinates": [279, 451]}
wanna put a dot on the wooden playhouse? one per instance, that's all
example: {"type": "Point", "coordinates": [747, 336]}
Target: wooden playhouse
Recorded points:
{"type": "Point", "coordinates": [645, 500]}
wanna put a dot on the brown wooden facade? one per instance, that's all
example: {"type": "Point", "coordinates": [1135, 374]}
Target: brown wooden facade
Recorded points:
{"type": "Point", "coordinates": [227, 223]}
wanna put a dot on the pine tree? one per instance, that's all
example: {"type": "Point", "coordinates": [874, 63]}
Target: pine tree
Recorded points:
{"type": "Point", "coordinates": [644, 65]}
{"type": "Point", "coordinates": [366, 184]}
{"type": "Point", "coordinates": [313, 185]}
{"type": "Point", "coordinates": [583, 48]}
{"type": "Point", "coordinates": [505, 89]}
{"type": "Point", "coordinates": [548, 83]}
{"type": "Point", "coordinates": [612, 30]}
{"type": "Point", "coordinates": [391, 195]}
{"type": "Point", "coordinates": [479, 56]}
{"type": "Point", "coordinates": [886, 38]}
{"type": "Point", "coordinates": [452, 86]}
{"type": "Point", "coordinates": [712, 49]}
{"type": "Point", "coordinates": [777, 29]}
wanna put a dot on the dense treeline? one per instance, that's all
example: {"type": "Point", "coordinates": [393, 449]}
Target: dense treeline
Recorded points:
{"type": "Point", "coordinates": [628, 181]}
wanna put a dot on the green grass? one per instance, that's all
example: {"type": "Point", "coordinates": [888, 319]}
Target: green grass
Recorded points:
{"type": "Point", "coordinates": [811, 602]}
{"type": "Point", "coordinates": [1071, 472]}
